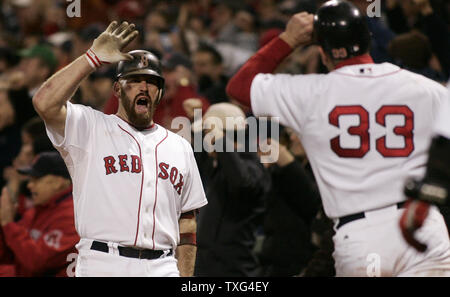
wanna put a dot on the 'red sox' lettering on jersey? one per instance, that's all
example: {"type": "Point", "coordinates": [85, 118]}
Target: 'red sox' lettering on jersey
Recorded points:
{"type": "Point", "coordinates": [122, 164]}
{"type": "Point", "coordinates": [122, 160]}
{"type": "Point", "coordinates": [173, 174]}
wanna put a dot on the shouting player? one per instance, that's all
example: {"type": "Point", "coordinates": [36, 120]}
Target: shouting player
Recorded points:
{"type": "Point", "coordinates": [136, 185]}
{"type": "Point", "coordinates": [365, 127]}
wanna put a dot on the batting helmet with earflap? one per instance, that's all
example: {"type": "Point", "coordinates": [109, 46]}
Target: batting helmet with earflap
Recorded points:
{"type": "Point", "coordinates": [341, 30]}
{"type": "Point", "coordinates": [143, 63]}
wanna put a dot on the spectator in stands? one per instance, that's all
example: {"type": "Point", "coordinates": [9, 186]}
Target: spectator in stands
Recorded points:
{"type": "Point", "coordinates": [209, 71]}
{"type": "Point", "coordinates": [96, 89]}
{"type": "Point", "coordinates": [36, 65]}
{"type": "Point", "coordinates": [179, 86]}
{"type": "Point", "coordinates": [9, 134]}
{"type": "Point", "coordinates": [34, 142]}
{"type": "Point", "coordinates": [38, 244]}
{"type": "Point", "coordinates": [157, 31]}
{"type": "Point", "coordinates": [321, 262]}
{"type": "Point", "coordinates": [429, 17]}
{"type": "Point", "coordinates": [287, 246]}
{"type": "Point", "coordinates": [412, 51]}
{"type": "Point", "coordinates": [236, 25]}
{"type": "Point", "coordinates": [236, 185]}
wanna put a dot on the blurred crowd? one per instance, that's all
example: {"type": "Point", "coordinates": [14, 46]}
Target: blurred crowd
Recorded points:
{"type": "Point", "coordinates": [277, 223]}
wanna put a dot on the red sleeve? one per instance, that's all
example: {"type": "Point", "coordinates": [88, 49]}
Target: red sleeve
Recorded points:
{"type": "Point", "coordinates": [264, 61]}
{"type": "Point", "coordinates": [112, 105]}
{"type": "Point", "coordinates": [49, 251]}
{"type": "Point", "coordinates": [6, 255]}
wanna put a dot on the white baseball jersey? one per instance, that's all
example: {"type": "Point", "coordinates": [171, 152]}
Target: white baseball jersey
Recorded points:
{"type": "Point", "coordinates": [130, 186]}
{"type": "Point", "coordinates": [365, 128]}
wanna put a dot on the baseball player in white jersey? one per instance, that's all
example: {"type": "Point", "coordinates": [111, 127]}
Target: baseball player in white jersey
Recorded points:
{"type": "Point", "coordinates": [365, 128]}
{"type": "Point", "coordinates": [136, 185]}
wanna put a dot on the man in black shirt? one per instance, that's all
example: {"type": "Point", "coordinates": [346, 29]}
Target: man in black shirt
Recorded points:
{"type": "Point", "coordinates": [236, 185]}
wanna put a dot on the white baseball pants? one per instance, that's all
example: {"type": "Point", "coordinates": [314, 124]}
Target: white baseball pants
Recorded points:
{"type": "Point", "coordinates": [374, 246]}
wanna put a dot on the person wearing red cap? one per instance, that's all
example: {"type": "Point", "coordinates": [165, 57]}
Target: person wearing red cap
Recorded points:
{"type": "Point", "coordinates": [40, 243]}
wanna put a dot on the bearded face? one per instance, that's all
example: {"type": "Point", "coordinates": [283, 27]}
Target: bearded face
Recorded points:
{"type": "Point", "coordinates": [138, 98]}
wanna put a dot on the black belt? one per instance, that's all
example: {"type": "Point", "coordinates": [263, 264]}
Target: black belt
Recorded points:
{"type": "Point", "coordinates": [129, 251]}
{"type": "Point", "coordinates": [353, 217]}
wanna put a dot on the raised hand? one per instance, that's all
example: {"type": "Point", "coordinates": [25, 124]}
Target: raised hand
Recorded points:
{"type": "Point", "coordinates": [107, 46]}
{"type": "Point", "coordinates": [299, 29]}
{"type": "Point", "coordinates": [7, 208]}
{"type": "Point", "coordinates": [189, 106]}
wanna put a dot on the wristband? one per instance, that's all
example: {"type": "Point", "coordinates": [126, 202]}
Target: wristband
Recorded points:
{"type": "Point", "coordinates": [188, 215]}
{"type": "Point", "coordinates": [188, 238]}
{"type": "Point", "coordinates": [92, 59]}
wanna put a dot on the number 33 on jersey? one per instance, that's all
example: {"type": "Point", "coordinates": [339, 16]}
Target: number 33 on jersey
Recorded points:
{"type": "Point", "coordinates": [361, 129]}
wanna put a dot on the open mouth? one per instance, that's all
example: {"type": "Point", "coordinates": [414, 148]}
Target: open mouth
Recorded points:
{"type": "Point", "coordinates": [141, 104]}
{"type": "Point", "coordinates": [143, 100]}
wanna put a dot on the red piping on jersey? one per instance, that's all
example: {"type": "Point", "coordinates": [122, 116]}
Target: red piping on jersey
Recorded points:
{"type": "Point", "coordinates": [142, 183]}
{"type": "Point", "coordinates": [140, 129]}
{"type": "Point", "coordinates": [156, 188]}
{"type": "Point", "coordinates": [363, 59]}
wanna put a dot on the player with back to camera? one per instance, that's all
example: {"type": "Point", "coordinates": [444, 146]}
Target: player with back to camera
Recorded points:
{"type": "Point", "coordinates": [365, 127]}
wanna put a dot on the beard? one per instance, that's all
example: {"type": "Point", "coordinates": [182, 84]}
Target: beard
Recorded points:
{"type": "Point", "coordinates": [141, 120]}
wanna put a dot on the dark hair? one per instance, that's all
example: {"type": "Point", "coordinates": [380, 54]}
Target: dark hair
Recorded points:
{"type": "Point", "coordinates": [412, 49]}
{"type": "Point", "coordinates": [35, 127]}
{"type": "Point", "coordinates": [41, 144]}
{"type": "Point", "coordinates": [206, 48]}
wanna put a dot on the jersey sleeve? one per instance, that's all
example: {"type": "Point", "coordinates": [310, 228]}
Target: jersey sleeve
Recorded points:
{"type": "Point", "coordinates": [80, 122]}
{"type": "Point", "coordinates": [284, 96]}
{"type": "Point", "coordinates": [193, 195]}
